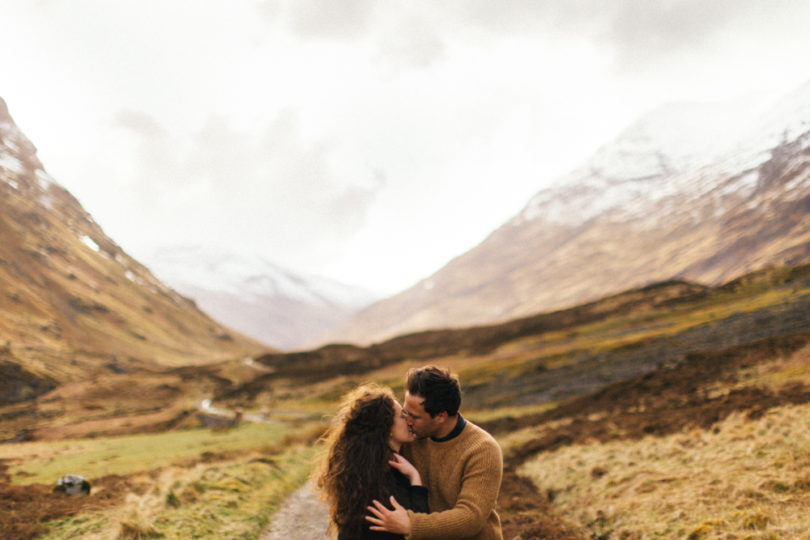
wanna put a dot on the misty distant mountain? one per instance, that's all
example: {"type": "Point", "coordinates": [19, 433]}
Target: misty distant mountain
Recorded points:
{"type": "Point", "coordinates": [73, 304]}
{"type": "Point", "coordinates": [702, 192]}
{"type": "Point", "coordinates": [257, 297]}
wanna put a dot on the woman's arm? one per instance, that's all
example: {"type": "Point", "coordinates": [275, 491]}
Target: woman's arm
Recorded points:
{"type": "Point", "coordinates": [406, 468]}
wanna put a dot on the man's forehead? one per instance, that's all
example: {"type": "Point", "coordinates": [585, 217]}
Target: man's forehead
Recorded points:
{"type": "Point", "coordinates": [414, 401]}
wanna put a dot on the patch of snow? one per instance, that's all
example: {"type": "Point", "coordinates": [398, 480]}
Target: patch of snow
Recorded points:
{"type": "Point", "coordinates": [11, 141]}
{"type": "Point", "coordinates": [46, 201]}
{"type": "Point", "coordinates": [677, 149]}
{"type": "Point", "coordinates": [89, 242]}
{"type": "Point", "coordinates": [44, 179]}
{"type": "Point", "coordinates": [11, 164]}
{"type": "Point", "coordinates": [747, 181]}
{"type": "Point", "coordinates": [799, 182]}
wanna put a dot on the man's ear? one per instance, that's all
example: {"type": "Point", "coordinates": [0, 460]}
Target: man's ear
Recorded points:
{"type": "Point", "coordinates": [442, 417]}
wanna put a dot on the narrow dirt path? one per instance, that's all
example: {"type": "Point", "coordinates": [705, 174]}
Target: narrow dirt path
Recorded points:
{"type": "Point", "coordinates": [524, 513]}
{"type": "Point", "coordinates": [301, 517]}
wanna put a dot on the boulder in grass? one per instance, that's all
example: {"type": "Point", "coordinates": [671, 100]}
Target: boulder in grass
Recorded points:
{"type": "Point", "coordinates": [72, 484]}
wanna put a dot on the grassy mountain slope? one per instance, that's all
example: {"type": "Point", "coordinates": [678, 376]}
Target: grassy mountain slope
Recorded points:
{"type": "Point", "coordinates": [73, 304]}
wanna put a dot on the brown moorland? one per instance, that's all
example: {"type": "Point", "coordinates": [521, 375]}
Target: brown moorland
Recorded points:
{"type": "Point", "coordinates": [649, 362]}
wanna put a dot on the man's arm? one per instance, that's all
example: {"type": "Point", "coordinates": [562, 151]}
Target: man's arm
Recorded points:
{"type": "Point", "coordinates": [480, 485]}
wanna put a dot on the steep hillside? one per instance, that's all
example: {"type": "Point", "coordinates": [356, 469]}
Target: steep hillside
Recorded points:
{"type": "Point", "coordinates": [73, 304]}
{"type": "Point", "coordinates": [695, 192]}
{"type": "Point", "coordinates": [256, 297]}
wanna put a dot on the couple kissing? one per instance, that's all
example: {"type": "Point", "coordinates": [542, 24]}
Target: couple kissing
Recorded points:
{"type": "Point", "coordinates": [415, 470]}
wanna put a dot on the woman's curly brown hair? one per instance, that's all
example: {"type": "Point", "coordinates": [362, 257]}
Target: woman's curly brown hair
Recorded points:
{"type": "Point", "coordinates": [356, 454]}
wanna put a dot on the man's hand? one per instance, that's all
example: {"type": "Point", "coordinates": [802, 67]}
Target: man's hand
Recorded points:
{"type": "Point", "coordinates": [394, 521]}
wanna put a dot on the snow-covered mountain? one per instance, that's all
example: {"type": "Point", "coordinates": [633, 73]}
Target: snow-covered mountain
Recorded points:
{"type": "Point", "coordinates": [703, 192]}
{"type": "Point", "coordinates": [677, 150]}
{"type": "Point", "coordinates": [257, 297]}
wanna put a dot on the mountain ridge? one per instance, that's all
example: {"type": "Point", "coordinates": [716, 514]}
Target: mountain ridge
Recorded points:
{"type": "Point", "coordinates": [259, 298]}
{"type": "Point", "coordinates": [633, 214]}
{"type": "Point", "coordinates": [74, 304]}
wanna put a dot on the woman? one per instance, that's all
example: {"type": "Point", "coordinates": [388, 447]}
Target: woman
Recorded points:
{"type": "Point", "coordinates": [362, 463]}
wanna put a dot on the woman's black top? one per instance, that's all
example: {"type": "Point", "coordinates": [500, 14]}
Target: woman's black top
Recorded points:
{"type": "Point", "coordinates": [411, 497]}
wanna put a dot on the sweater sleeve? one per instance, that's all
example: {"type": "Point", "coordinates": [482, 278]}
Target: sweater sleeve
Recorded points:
{"type": "Point", "coordinates": [480, 484]}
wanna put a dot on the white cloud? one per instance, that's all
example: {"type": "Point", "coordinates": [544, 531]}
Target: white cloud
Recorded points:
{"type": "Point", "coordinates": [370, 141]}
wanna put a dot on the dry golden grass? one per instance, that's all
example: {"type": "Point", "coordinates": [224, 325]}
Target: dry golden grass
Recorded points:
{"type": "Point", "coordinates": [46, 461]}
{"type": "Point", "coordinates": [791, 369]}
{"type": "Point", "coordinates": [743, 479]}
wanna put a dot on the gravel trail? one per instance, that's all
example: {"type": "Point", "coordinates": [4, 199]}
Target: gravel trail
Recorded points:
{"type": "Point", "coordinates": [301, 517]}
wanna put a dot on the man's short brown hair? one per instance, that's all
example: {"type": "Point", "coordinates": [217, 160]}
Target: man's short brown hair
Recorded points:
{"type": "Point", "coordinates": [440, 388]}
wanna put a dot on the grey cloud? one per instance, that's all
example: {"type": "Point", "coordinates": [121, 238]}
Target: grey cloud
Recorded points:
{"type": "Point", "coordinates": [220, 154]}
{"type": "Point", "coordinates": [401, 37]}
{"type": "Point", "coordinates": [139, 123]}
{"type": "Point", "coordinates": [322, 206]}
{"type": "Point", "coordinates": [283, 188]}
{"type": "Point", "coordinates": [380, 178]}
{"type": "Point", "coordinates": [521, 15]}
{"type": "Point", "coordinates": [272, 192]}
{"type": "Point", "coordinates": [157, 163]}
{"type": "Point", "coordinates": [645, 32]}
{"type": "Point", "coordinates": [346, 19]}
{"type": "Point", "coordinates": [416, 44]}
{"type": "Point", "coordinates": [351, 18]}
{"type": "Point", "coordinates": [348, 209]}
{"type": "Point", "coordinates": [638, 33]}
{"type": "Point", "coordinates": [642, 33]}
{"type": "Point", "coordinates": [281, 130]}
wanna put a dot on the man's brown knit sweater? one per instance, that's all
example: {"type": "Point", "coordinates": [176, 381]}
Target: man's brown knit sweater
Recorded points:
{"type": "Point", "coordinates": [463, 476]}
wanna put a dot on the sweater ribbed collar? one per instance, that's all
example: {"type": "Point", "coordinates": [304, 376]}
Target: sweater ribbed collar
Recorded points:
{"type": "Point", "coordinates": [456, 430]}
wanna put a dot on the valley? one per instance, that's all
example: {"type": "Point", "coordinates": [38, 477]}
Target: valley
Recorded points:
{"type": "Point", "coordinates": [597, 216]}
{"type": "Point", "coordinates": [603, 410]}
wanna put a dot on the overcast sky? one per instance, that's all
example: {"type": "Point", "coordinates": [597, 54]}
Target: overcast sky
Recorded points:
{"type": "Point", "coordinates": [366, 141]}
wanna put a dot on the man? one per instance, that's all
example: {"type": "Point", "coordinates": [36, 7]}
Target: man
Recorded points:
{"type": "Point", "coordinates": [460, 464]}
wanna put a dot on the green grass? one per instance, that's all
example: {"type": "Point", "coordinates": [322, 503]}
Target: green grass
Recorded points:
{"type": "Point", "coordinates": [94, 458]}
{"type": "Point", "coordinates": [487, 415]}
{"type": "Point", "coordinates": [234, 499]}
{"type": "Point", "coordinates": [621, 331]}
{"type": "Point", "coordinates": [193, 483]}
